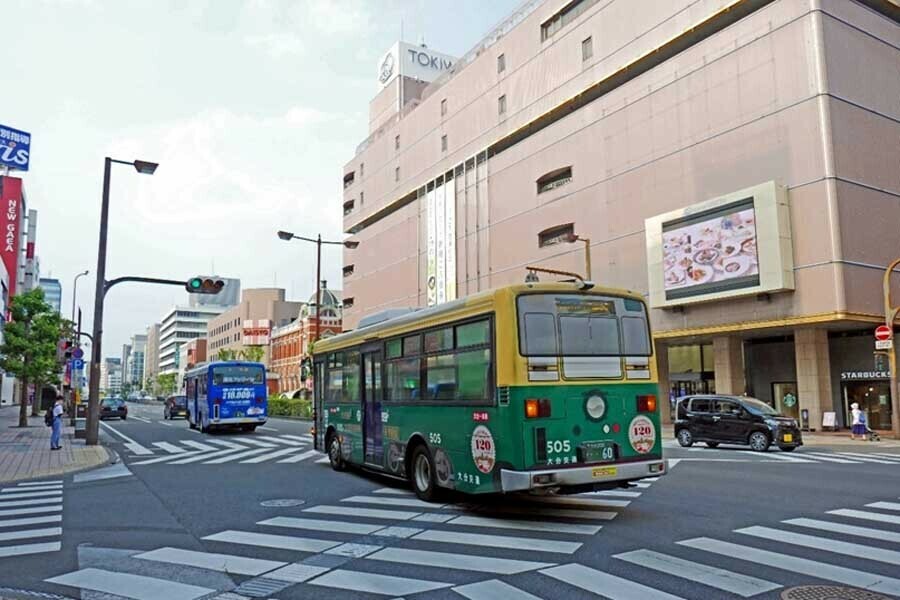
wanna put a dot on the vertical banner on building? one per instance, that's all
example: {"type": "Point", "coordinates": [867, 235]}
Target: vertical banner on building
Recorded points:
{"type": "Point", "coordinates": [11, 200]}
{"type": "Point", "coordinates": [441, 233]}
{"type": "Point", "coordinates": [450, 238]}
{"type": "Point", "coordinates": [431, 265]}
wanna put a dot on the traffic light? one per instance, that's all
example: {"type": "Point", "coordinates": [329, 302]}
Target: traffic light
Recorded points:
{"type": "Point", "coordinates": [67, 349]}
{"type": "Point", "coordinates": [200, 285]}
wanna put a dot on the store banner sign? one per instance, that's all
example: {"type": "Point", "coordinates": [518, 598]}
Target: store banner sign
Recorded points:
{"type": "Point", "coordinates": [440, 203]}
{"type": "Point", "coordinates": [864, 375]}
{"type": "Point", "coordinates": [15, 148]}
{"type": "Point", "coordinates": [11, 201]}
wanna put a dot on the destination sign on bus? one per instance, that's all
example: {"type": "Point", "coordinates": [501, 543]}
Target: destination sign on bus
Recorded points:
{"type": "Point", "coordinates": [592, 306]}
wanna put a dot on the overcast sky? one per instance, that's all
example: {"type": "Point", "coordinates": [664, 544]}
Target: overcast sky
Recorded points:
{"type": "Point", "coordinates": [252, 107]}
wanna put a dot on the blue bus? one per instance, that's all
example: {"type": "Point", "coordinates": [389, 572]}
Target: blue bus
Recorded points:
{"type": "Point", "coordinates": [226, 394]}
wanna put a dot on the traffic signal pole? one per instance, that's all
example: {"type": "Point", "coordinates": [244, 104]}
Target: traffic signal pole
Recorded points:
{"type": "Point", "coordinates": [890, 315]}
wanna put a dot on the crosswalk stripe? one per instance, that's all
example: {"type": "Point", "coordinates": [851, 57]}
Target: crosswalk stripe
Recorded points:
{"type": "Point", "coordinates": [169, 458]}
{"type": "Point", "coordinates": [493, 589]}
{"type": "Point", "coordinates": [303, 438]}
{"type": "Point", "coordinates": [137, 587]}
{"type": "Point", "coordinates": [225, 563]}
{"type": "Point", "coordinates": [393, 492]}
{"type": "Point", "coordinates": [376, 584]}
{"type": "Point", "coordinates": [462, 562]}
{"type": "Point", "coordinates": [31, 521]}
{"type": "Point", "coordinates": [199, 445]}
{"type": "Point", "coordinates": [270, 456]}
{"type": "Point", "coordinates": [299, 457]}
{"type": "Point", "coordinates": [604, 584]}
{"type": "Point", "coordinates": [369, 513]}
{"type": "Point", "coordinates": [415, 502]}
{"type": "Point", "coordinates": [24, 549]}
{"type": "Point", "coordinates": [884, 505]}
{"type": "Point", "coordinates": [891, 458]}
{"type": "Point", "coordinates": [170, 448]}
{"type": "Point", "coordinates": [258, 443]}
{"type": "Point", "coordinates": [204, 456]}
{"type": "Point", "coordinates": [553, 527]}
{"type": "Point", "coordinates": [736, 583]}
{"type": "Point", "coordinates": [498, 541]}
{"type": "Point", "coordinates": [30, 533]}
{"type": "Point", "coordinates": [30, 483]}
{"type": "Point", "coordinates": [280, 440]}
{"type": "Point", "coordinates": [33, 502]}
{"type": "Point", "coordinates": [267, 540]}
{"type": "Point", "coordinates": [867, 532]}
{"type": "Point", "coordinates": [788, 458]}
{"type": "Point", "coordinates": [227, 444]}
{"type": "Point", "coordinates": [820, 543]}
{"type": "Point", "coordinates": [46, 494]}
{"type": "Point", "coordinates": [803, 566]}
{"type": "Point", "coordinates": [865, 458]}
{"type": "Point", "coordinates": [323, 460]}
{"type": "Point", "coordinates": [49, 488]}
{"type": "Point", "coordinates": [31, 511]}
{"type": "Point", "coordinates": [321, 525]}
{"type": "Point", "coordinates": [822, 456]}
{"type": "Point", "coordinates": [617, 493]}
{"type": "Point", "coordinates": [863, 514]}
{"type": "Point", "coordinates": [579, 501]}
{"type": "Point", "coordinates": [569, 513]}
{"type": "Point", "coordinates": [232, 456]}
{"type": "Point", "coordinates": [887, 455]}
{"type": "Point", "coordinates": [138, 449]}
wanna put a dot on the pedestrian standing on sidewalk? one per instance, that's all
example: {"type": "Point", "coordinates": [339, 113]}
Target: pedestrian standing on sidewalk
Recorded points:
{"type": "Point", "coordinates": [57, 424]}
{"type": "Point", "coordinates": [858, 425]}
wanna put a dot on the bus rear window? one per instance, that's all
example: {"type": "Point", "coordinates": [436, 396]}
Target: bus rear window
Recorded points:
{"type": "Point", "coordinates": [237, 375]}
{"type": "Point", "coordinates": [582, 325]}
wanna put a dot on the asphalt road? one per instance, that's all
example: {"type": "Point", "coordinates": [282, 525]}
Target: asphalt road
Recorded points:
{"type": "Point", "coordinates": [183, 518]}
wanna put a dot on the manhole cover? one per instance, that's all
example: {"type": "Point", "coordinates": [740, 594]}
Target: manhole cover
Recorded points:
{"type": "Point", "coordinates": [829, 592]}
{"type": "Point", "coordinates": [281, 502]}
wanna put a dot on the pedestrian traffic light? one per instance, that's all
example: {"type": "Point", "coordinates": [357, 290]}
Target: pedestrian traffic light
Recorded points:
{"type": "Point", "coordinates": [201, 285]}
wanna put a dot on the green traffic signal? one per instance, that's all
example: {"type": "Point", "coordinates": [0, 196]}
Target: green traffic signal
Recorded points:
{"type": "Point", "coordinates": [199, 285]}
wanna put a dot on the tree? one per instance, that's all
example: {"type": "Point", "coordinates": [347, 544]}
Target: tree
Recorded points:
{"type": "Point", "coordinates": [29, 350]}
{"type": "Point", "coordinates": [166, 383]}
{"type": "Point", "coordinates": [253, 353]}
{"type": "Point", "coordinates": [226, 354]}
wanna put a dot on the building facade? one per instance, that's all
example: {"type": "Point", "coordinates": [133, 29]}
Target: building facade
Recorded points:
{"type": "Point", "coordinates": [250, 323]}
{"type": "Point", "coordinates": [135, 366]}
{"type": "Point", "coordinates": [126, 361]}
{"type": "Point", "coordinates": [191, 354]}
{"type": "Point", "coordinates": [52, 292]}
{"type": "Point", "coordinates": [179, 326]}
{"type": "Point", "coordinates": [151, 356]}
{"type": "Point", "coordinates": [641, 129]}
{"type": "Point", "coordinates": [111, 375]}
{"type": "Point", "coordinates": [290, 343]}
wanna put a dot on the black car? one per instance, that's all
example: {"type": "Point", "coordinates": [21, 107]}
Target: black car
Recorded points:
{"type": "Point", "coordinates": [715, 420]}
{"type": "Point", "coordinates": [113, 407]}
{"type": "Point", "coordinates": [176, 406]}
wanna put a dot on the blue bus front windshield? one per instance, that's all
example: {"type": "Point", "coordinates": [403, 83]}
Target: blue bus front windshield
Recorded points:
{"type": "Point", "coordinates": [237, 375]}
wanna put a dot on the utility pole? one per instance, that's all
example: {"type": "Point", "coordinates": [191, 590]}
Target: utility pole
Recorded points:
{"type": "Point", "coordinates": [890, 315]}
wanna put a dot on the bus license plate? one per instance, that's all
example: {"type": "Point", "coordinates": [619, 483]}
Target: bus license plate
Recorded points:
{"type": "Point", "coordinates": [598, 451]}
{"type": "Point", "coordinates": [604, 472]}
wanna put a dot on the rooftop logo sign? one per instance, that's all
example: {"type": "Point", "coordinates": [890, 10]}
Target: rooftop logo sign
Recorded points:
{"type": "Point", "coordinates": [15, 148]}
{"type": "Point", "coordinates": [413, 61]}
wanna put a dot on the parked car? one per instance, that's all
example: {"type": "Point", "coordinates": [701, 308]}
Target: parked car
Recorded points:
{"type": "Point", "coordinates": [721, 419]}
{"type": "Point", "coordinates": [113, 407]}
{"type": "Point", "coordinates": [176, 406]}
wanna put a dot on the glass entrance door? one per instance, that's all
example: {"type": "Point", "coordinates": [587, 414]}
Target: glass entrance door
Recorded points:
{"type": "Point", "coordinates": [373, 427]}
{"type": "Point", "coordinates": [785, 397]}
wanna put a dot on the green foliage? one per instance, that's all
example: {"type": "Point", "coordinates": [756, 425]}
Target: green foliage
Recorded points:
{"type": "Point", "coordinates": [253, 353]}
{"type": "Point", "coordinates": [227, 354]}
{"type": "Point", "coordinates": [165, 382]}
{"type": "Point", "coordinates": [280, 406]}
{"type": "Point", "coordinates": [29, 349]}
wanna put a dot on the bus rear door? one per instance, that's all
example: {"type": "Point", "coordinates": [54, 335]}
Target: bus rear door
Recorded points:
{"type": "Point", "coordinates": [372, 425]}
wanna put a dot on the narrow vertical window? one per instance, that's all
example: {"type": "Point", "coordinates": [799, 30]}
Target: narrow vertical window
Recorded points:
{"type": "Point", "coordinates": [444, 143]}
{"type": "Point", "coordinates": [397, 174]}
{"type": "Point", "coordinates": [396, 142]}
{"type": "Point", "coordinates": [587, 48]}
{"type": "Point", "coordinates": [501, 63]}
{"type": "Point", "coordinates": [443, 107]}
{"type": "Point", "coordinates": [501, 105]}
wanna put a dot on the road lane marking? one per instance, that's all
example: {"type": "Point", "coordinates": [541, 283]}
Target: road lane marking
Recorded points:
{"type": "Point", "coordinates": [24, 549]}
{"type": "Point", "coordinates": [169, 458]}
{"type": "Point", "coordinates": [232, 456]}
{"type": "Point", "coordinates": [31, 511]}
{"type": "Point", "coordinates": [393, 492]}
{"type": "Point", "coordinates": [55, 481]}
{"type": "Point", "coordinates": [461, 562]}
{"type": "Point", "coordinates": [31, 521]}
{"type": "Point", "coordinates": [224, 563]}
{"type": "Point", "coordinates": [862, 458]}
{"type": "Point", "coordinates": [863, 514]}
{"type": "Point", "coordinates": [735, 583]}
{"type": "Point", "coordinates": [618, 493]}
{"type": "Point", "coordinates": [268, 540]}
{"type": "Point", "coordinates": [231, 445]}
{"type": "Point", "coordinates": [163, 423]}
{"type": "Point", "coordinates": [786, 562]}
{"type": "Point", "coordinates": [593, 515]}
{"type": "Point", "coordinates": [258, 443]}
{"type": "Point", "coordinates": [269, 456]}
{"type": "Point", "coordinates": [170, 448]}
{"type": "Point", "coordinates": [32, 502]}
{"type": "Point", "coordinates": [32, 495]}
{"type": "Point", "coordinates": [125, 585]}
{"type": "Point", "coordinates": [141, 419]}
{"type": "Point", "coordinates": [415, 502]}
{"type": "Point", "coordinates": [884, 505]}
{"type": "Point", "coordinates": [549, 526]}
{"type": "Point", "coordinates": [302, 438]}
{"type": "Point", "coordinates": [323, 460]}
{"type": "Point", "coordinates": [300, 457]}
{"type": "Point", "coordinates": [43, 488]}
{"type": "Point", "coordinates": [493, 589]}
{"type": "Point", "coordinates": [827, 458]}
{"type": "Point", "coordinates": [604, 584]}
{"type": "Point", "coordinates": [867, 532]}
{"type": "Point", "coordinates": [321, 525]}
{"type": "Point", "coordinates": [369, 513]}
{"type": "Point", "coordinates": [296, 573]}
{"type": "Point", "coordinates": [579, 501]}
{"type": "Point", "coordinates": [203, 456]}
{"type": "Point", "coordinates": [280, 440]}
{"type": "Point", "coordinates": [498, 541]}
{"type": "Point", "coordinates": [30, 533]}
{"type": "Point", "coordinates": [199, 445]}
{"type": "Point", "coordinates": [789, 458]}
{"type": "Point", "coordinates": [376, 584]}
{"type": "Point", "coordinates": [266, 428]}
{"type": "Point", "coordinates": [887, 455]}
{"type": "Point", "coordinates": [131, 445]}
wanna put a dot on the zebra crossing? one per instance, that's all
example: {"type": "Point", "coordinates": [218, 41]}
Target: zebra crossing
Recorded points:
{"type": "Point", "coordinates": [803, 455]}
{"type": "Point", "coordinates": [236, 450]}
{"type": "Point", "coordinates": [31, 518]}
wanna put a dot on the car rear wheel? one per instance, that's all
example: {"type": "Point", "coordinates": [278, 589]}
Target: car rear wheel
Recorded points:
{"type": "Point", "coordinates": [423, 474]}
{"type": "Point", "coordinates": [712, 444]}
{"type": "Point", "coordinates": [685, 439]}
{"type": "Point", "coordinates": [334, 453]}
{"type": "Point", "coordinates": [759, 441]}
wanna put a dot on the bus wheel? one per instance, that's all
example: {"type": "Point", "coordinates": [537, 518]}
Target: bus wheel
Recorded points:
{"type": "Point", "coordinates": [334, 453]}
{"type": "Point", "coordinates": [191, 423]}
{"type": "Point", "coordinates": [422, 474]}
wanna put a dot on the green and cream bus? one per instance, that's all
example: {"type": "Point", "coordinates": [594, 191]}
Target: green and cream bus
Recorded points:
{"type": "Point", "coordinates": [534, 387]}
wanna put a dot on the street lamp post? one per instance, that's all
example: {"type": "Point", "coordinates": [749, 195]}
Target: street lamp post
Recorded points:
{"type": "Point", "coordinates": [92, 434]}
{"type": "Point", "coordinates": [890, 315]}
{"type": "Point", "coordinates": [74, 290]}
{"type": "Point", "coordinates": [288, 236]}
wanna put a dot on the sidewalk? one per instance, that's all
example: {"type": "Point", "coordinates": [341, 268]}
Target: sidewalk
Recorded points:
{"type": "Point", "coordinates": [25, 452]}
{"type": "Point", "coordinates": [819, 438]}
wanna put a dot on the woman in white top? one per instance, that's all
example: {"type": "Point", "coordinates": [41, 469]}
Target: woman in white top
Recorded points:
{"type": "Point", "coordinates": [858, 422]}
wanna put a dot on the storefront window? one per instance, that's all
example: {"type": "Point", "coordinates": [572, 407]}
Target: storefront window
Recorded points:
{"type": "Point", "coordinates": [874, 400]}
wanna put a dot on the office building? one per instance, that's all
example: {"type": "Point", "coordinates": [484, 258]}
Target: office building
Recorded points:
{"type": "Point", "coordinates": [180, 325]}
{"type": "Point", "coordinates": [151, 356]}
{"type": "Point", "coordinates": [52, 292]}
{"type": "Point", "coordinates": [111, 375]}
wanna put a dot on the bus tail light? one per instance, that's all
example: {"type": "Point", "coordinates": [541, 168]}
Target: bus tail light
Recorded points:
{"type": "Point", "coordinates": [646, 403]}
{"type": "Point", "coordinates": [535, 408]}
{"type": "Point", "coordinates": [217, 401]}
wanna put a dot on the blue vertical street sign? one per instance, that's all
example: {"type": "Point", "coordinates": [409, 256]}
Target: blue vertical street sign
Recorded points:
{"type": "Point", "coordinates": [15, 148]}
{"type": "Point", "coordinates": [78, 364]}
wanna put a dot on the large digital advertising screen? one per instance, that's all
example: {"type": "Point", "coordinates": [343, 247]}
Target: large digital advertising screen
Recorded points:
{"type": "Point", "coordinates": [709, 252]}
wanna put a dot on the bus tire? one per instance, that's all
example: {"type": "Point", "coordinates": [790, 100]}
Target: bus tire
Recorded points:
{"type": "Point", "coordinates": [335, 458]}
{"type": "Point", "coordinates": [191, 423]}
{"type": "Point", "coordinates": [422, 474]}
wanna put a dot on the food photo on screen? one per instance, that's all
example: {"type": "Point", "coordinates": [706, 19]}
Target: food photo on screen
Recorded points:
{"type": "Point", "coordinates": [712, 252]}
